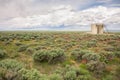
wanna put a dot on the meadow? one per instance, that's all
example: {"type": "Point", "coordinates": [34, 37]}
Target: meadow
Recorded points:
{"type": "Point", "coordinates": [41, 55]}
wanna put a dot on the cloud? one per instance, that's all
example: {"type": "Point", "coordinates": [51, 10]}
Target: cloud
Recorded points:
{"type": "Point", "coordinates": [115, 5]}
{"type": "Point", "coordinates": [23, 8]}
{"type": "Point", "coordinates": [104, 1]}
{"type": "Point", "coordinates": [110, 3]}
{"type": "Point", "coordinates": [67, 16]}
{"type": "Point", "coordinates": [49, 14]}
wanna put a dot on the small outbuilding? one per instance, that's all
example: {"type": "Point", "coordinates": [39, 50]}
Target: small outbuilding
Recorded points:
{"type": "Point", "coordinates": [97, 28]}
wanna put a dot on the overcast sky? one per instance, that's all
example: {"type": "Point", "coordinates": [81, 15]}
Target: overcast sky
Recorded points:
{"type": "Point", "coordinates": [58, 14]}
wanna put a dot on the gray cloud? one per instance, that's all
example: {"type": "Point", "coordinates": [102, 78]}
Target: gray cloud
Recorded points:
{"type": "Point", "coordinates": [10, 9]}
{"type": "Point", "coordinates": [13, 8]}
{"type": "Point", "coordinates": [65, 15]}
{"type": "Point", "coordinates": [16, 8]}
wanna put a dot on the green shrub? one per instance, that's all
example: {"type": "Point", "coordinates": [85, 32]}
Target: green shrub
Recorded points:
{"type": "Point", "coordinates": [55, 77]}
{"type": "Point", "coordinates": [30, 74]}
{"type": "Point", "coordinates": [26, 38]}
{"type": "Point", "coordinates": [7, 42]}
{"type": "Point", "coordinates": [2, 53]}
{"type": "Point", "coordinates": [41, 56]}
{"type": "Point", "coordinates": [85, 77]}
{"type": "Point", "coordinates": [9, 69]}
{"type": "Point", "coordinates": [91, 56]}
{"type": "Point", "coordinates": [30, 50]}
{"type": "Point", "coordinates": [77, 54]}
{"type": "Point", "coordinates": [117, 54]}
{"type": "Point", "coordinates": [70, 75]}
{"type": "Point", "coordinates": [10, 64]}
{"type": "Point", "coordinates": [56, 55]}
{"type": "Point", "coordinates": [22, 74]}
{"type": "Point", "coordinates": [107, 56]}
{"type": "Point", "coordinates": [9, 75]}
{"type": "Point", "coordinates": [67, 73]}
{"type": "Point", "coordinates": [73, 73]}
{"type": "Point", "coordinates": [4, 38]}
{"type": "Point", "coordinates": [50, 56]}
{"type": "Point", "coordinates": [91, 44]}
{"type": "Point", "coordinates": [96, 67]}
{"type": "Point", "coordinates": [22, 48]}
{"type": "Point", "coordinates": [110, 55]}
{"type": "Point", "coordinates": [18, 43]}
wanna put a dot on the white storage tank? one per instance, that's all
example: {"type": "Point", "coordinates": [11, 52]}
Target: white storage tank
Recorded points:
{"type": "Point", "coordinates": [97, 28]}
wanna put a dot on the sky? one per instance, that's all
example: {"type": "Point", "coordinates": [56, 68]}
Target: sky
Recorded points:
{"type": "Point", "coordinates": [58, 14]}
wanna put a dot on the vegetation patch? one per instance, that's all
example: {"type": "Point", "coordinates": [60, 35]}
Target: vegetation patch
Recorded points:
{"type": "Point", "coordinates": [59, 56]}
{"type": "Point", "coordinates": [2, 53]}
{"type": "Point", "coordinates": [11, 64]}
{"type": "Point", "coordinates": [50, 56]}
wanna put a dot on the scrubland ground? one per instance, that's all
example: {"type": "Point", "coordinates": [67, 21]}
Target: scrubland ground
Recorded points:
{"type": "Point", "coordinates": [59, 56]}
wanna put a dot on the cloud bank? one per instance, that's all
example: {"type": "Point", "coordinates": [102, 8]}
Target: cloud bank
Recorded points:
{"type": "Point", "coordinates": [57, 14]}
{"type": "Point", "coordinates": [67, 16]}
